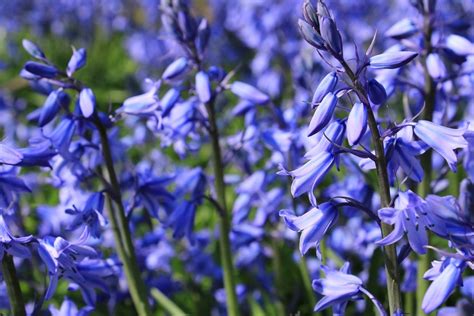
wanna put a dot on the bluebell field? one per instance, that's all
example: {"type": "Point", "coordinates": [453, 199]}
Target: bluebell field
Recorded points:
{"type": "Point", "coordinates": [246, 157]}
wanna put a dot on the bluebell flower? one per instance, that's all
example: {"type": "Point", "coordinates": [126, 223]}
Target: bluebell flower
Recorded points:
{"type": "Point", "coordinates": [62, 135]}
{"type": "Point", "coordinates": [248, 92]}
{"type": "Point", "coordinates": [176, 69]}
{"type": "Point", "coordinates": [9, 155]}
{"type": "Point", "coordinates": [77, 61]}
{"type": "Point", "coordinates": [41, 70]}
{"type": "Point", "coordinates": [402, 29]}
{"type": "Point", "coordinates": [435, 66]}
{"type": "Point", "coordinates": [337, 288]}
{"type": "Point", "coordinates": [10, 187]}
{"type": "Point", "coordinates": [327, 84]}
{"type": "Point", "coordinates": [33, 49]}
{"type": "Point", "coordinates": [14, 246]}
{"type": "Point", "coordinates": [459, 45]}
{"type": "Point", "coordinates": [61, 259]}
{"type": "Point", "coordinates": [356, 123]}
{"type": "Point", "coordinates": [87, 102]}
{"type": "Point", "coordinates": [408, 216]}
{"type": "Point", "coordinates": [69, 308]}
{"type": "Point", "coordinates": [310, 35]}
{"type": "Point", "coordinates": [313, 224]}
{"type": "Point", "coordinates": [446, 276]}
{"type": "Point", "coordinates": [90, 216]}
{"type": "Point", "coordinates": [391, 60]}
{"type": "Point", "coordinates": [330, 34]}
{"type": "Point", "coordinates": [50, 108]}
{"type": "Point", "coordinates": [143, 104]}
{"type": "Point", "coordinates": [442, 139]}
{"type": "Point", "coordinates": [151, 193]}
{"type": "Point", "coordinates": [181, 220]}
{"type": "Point", "coordinates": [323, 114]}
{"type": "Point", "coordinates": [203, 87]}
{"type": "Point", "coordinates": [309, 175]}
{"type": "Point", "coordinates": [376, 92]}
{"type": "Point", "coordinates": [38, 153]}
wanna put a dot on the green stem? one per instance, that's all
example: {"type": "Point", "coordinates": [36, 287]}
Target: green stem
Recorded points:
{"type": "Point", "coordinates": [390, 254]}
{"type": "Point", "coordinates": [121, 230]}
{"type": "Point", "coordinates": [424, 188]}
{"type": "Point", "coordinates": [166, 303]}
{"type": "Point", "coordinates": [13, 286]}
{"type": "Point", "coordinates": [224, 242]}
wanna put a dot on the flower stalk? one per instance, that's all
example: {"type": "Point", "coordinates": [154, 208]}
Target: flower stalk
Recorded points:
{"type": "Point", "coordinates": [15, 296]}
{"type": "Point", "coordinates": [424, 188]}
{"type": "Point", "coordinates": [390, 254]}
{"type": "Point", "coordinates": [224, 241]}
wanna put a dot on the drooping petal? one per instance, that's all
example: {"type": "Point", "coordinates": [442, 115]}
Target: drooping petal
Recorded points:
{"type": "Point", "coordinates": [49, 109]}
{"type": "Point", "coordinates": [203, 87]}
{"type": "Point", "coordinates": [9, 155]}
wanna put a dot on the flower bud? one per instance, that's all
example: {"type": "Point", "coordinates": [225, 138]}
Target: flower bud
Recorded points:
{"type": "Point", "coordinates": [356, 123]}
{"type": "Point", "coordinates": [248, 92]}
{"type": "Point", "coordinates": [435, 66]}
{"type": "Point", "coordinates": [377, 93]}
{"type": "Point", "coordinates": [203, 87]}
{"type": "Point", "coordinates": [326, 85]}
{"type": "Point", "coordinates": [310, 15]}
{"type": "Point", "coordinates": [331, 35]}
{"type": "Point", "coordinates": [402, 29]}
{"type": "Point", "coordinates": [50, 108]}
{"type": "Point", "coordinates": [41, 70]}
{"type": "Point", "coordinates": [87, 102]}
{"type": "Point", "coordinates": [460, 45]}
{"type": "Point", "coordinates": [391, 60]}
{"type": "Point", "coordinates": [310, 35]}
{"type": "Point", "coordinates": [176, 69]}
{"type": "Point", "coordinates": [77, 61]}
{"type": "Point", "coordinates": [323, 114]}
{"type": "Point", "coordinates": [33, 49]}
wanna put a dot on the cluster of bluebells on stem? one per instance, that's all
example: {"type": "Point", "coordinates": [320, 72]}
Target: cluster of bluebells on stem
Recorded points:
{"type": "Point", "coordinates": [361, 84]}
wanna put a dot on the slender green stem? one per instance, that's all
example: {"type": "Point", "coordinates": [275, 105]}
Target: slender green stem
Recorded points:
{"type": "Point", "coordinates": [390, 254]}
{"type": "Point", "coordinates": [121, 230]}
{"type": "Point", "coordinates": [224, 242]}
{"type": "Point", "coordinates": [13, 286]}
{"type": "Point", "coordinates": [166, 303]}
{"type": "Point", "coordinates": [424, 188]}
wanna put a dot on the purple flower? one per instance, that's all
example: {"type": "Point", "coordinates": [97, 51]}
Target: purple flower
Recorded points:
{"type": "Point", "coordinates": [442, 139]}
{"type": "Point", "coordinates": [77, 61]}
{"type": "Point", "coordinates": [327, 84]}
{"type": "Point", "coordinates": [313, 224]}
{"type": "Point", "coordinates": [408, 216]}
{"type": "Point", "coordinates": [309, 175]}
{"type": "Point", "coordinates": [337, 287]}
{"type": "Point", "coordinates": [446, 276]}
{"type": "Point", "coordinates": [10, 187]}
{"type": "Point", "coordinates": [391, 60]}
{"type": "Point", "coordinates": [310, 35]}
{"type": "Point", "coordinates": [176, 69]}
{"type": "Point", "coordinates": [248, 92]}
{"type": "Point", "coordinates": [143, 104]}
{"type": "Point", "coordinates": [50, 108]}
{"type": "Point", "coordinates": [90, 216]}
{"type": "Point", "coordinates": [331, 35]}
{"type": "Point", "coordinates": [435, 66]}
{"type": "Point", "coordinates": [87, 102]}
{"type": "Point", "coordinates": [9, 155]}
{"type": "Point", "coordinates": [402, 29]}
{"type": "Point", "coordinates": [14, 246]}
{"type": "Point", "coordinates": [68, 308]}
{"type": "Point", "coordinates": [41, 70]}
{"type": "Point", "coordinates": [323, 114]}
{"type": "Point", "coordinates": [459, 45]}
{"type": "Point", "coordinates": [356, 123]}
{"type": "Point", "coordinates": [33, 49]}
{"type": "Point", "coordinates": [376, 92]}
{"type": "Point", "coordinates": [203, 87]}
